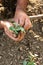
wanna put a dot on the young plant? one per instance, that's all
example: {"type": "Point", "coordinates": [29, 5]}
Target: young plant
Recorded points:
{"type": "Point", "coordinates": [16, 28]}
{"type": "Point", "coordinates": [31, 60]}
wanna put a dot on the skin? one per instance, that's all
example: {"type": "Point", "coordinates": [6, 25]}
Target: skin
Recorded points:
{"type": "Point", "coordinates": [20, 15]}
{"type": "Point", "coordinates": [5, 25]}
{"type": "Point", "coordinates": [21, 18]}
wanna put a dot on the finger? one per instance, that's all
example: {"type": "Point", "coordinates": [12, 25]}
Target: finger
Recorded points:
{"type": "Point", "coordinates": [9, 32]}
{"type": "Point", "coordinates": [16, 20]}
{"type": "Point", "coordinates": [21, 21]}
{"type": "Point", "coordinates": [8, 24]}
{"type": "Point", "coordinates": [22, 35]}
{"type": "Point", "coordinates": [12, 36]}
{"type": "Point", "coordinates": [28, 24]}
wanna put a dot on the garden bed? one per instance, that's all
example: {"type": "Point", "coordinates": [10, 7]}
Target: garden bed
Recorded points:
{"type": "Point", "coordinates": [12, 53]}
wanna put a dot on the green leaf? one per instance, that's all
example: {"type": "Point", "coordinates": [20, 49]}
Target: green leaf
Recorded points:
{"type": "Point", "coordinates": [30, 63]}
{"type": "Point", "coordinates": [12, 28]}
{"type": "Point", "coordinates": [16, 25]}
{"type": "Point", "coordinates": [16, 28]}
{"type": "Point", "coordinates": [16, 32]}
{"type": "Point", "coordinates": [24, 62]}
{"type": "Point", "coordinates": [22, 29]}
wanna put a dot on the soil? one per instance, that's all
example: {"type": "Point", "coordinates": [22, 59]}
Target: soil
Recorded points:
{"type": "Point", "coordinates": [13, 53]}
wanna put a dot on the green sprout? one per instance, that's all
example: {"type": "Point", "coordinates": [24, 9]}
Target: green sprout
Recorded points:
{"type": "Point", "coordinates": [31, 60]}
{"type": "Point", "coordinates": [16, 28]}
{"type": "Point", "coordinates": [28, 62]}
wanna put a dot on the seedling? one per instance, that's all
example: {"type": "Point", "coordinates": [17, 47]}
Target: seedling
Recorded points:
{"type": "Point", "coordinates": [16, 28]}
{"type": "Point", "coordinates": [31, 60]}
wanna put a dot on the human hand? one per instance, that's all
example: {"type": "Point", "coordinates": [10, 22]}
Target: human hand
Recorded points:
{"type": "Point", "coordinates": [24, 21]}
{"type": "Point", "coordinates": [6, 25]}
{"type": "Point", "coordinates": [22, 18]}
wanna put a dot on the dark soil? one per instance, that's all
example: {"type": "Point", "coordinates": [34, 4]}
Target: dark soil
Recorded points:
{"type": "Point", "coordinates": [13, 53]}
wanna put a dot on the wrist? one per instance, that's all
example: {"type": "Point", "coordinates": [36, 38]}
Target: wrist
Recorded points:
{"type": "Point", "coordinates": [20, 8]}
{"type": "Point", "coordinates": [22, 4]}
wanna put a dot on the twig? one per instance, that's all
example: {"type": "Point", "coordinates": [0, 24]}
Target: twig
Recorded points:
{"type": "Point", "coordinates": [36, 16]}
{"type": "Point", "coordinates": [39, 5]}
{"type": "Point", "coordinates": [31, 17]}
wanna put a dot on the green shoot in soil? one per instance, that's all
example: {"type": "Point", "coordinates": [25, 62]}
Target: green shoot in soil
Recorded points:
{"type": "Point", "coordinates": [31, 61]}
{"type": "Point", "coordinates": [28, 62]}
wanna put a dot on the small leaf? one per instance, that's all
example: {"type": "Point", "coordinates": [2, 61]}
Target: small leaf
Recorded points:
{"type": "Point", "coordinates": [15, 24]}
{"type": "Point", "coordinates": [16, 28]}
{"type": "Point", "coordinates": [24, 62]}
{"type": "Point", "coordinates": [22, 29]}
{"type": "Point", "coordinates": [12, 28]}
{"type": "Point", "coordinates": [16, 32]}
{"type": "Point", "coordinates": [30, 63]}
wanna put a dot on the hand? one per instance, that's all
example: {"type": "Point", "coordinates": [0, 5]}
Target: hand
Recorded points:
{"type": "Point", "coordinates": [22, 18]}
{"type": "Point", "coordinates": [9, 33]}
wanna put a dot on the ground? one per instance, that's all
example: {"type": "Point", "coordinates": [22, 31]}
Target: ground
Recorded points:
{"type": "Point", "coordinates": [13, 53]}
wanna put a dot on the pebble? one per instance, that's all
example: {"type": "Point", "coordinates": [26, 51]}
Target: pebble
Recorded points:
{"type": "Point", "coordinates": [20, 48]}
{"type": "Point", "coordinates": [42, 29]}
{"type": "Point", "coordinates": [0, 57]}
{"type": "Point", "coordinates": [22, 57]}
{"type": "Point", "coordinates": [27, 48]}
{"type": "Point", "coordinates": [18, 57]}
{"type": "Point", "coordinates": [36, 36]}
{"type": "Point", "coordinates": [11, 62]}
{"type": "Point", "coordinates": [37, 63]}
{"type": "Point", "coordinates": [15, 60]}
{"type": "Point", "coordinates": [37, 47]}
{"type": "Point", "coordinates": [36, 55]}
{"type": "Point", "coordinates": [11, 54]}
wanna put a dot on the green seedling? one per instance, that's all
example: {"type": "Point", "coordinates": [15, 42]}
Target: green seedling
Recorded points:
{"type": "Point", "coordinates": [28, 62]}
{"type": "Point", "coordinates": [31, 60]}
{"type": "Point", "coordinates": [24, 62]}
{"type": "Point", "coordinates": [16, 28]}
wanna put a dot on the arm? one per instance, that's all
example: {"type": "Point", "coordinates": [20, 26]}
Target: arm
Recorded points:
{"type": "Point", "coordinates": [21, 17]}
{"type": "Point", "coordinates": [22, 4]}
